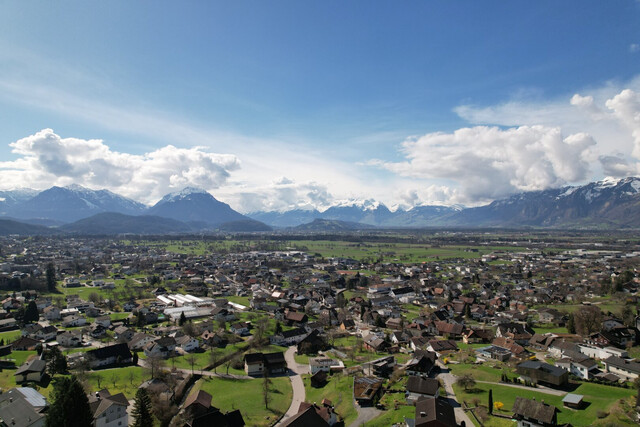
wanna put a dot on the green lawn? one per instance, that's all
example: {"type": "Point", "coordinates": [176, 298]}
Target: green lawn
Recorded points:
{"type": "Point", "coordinates": [10, 336]}
{"type": "Point", "coordinates": [479, 372]}
{"type": "Point", "coordinates": [599, 397]}
{"type": "Point", "coordinates": [247, 396]}
{"type": "Point", "coordinates": [117, 380]}
{"type": "Point", "coordinates": [339, 390]}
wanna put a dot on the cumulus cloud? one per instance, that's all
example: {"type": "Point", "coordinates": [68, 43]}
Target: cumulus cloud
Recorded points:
{"type": "Point", "coordinates": [46, 159]}
{"type": "Point", "coordinates": [489, 162]}
{"type": "Point", "coordinates": [282, 195]}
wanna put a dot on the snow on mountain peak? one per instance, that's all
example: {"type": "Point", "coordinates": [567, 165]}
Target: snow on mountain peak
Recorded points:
{"type": "Point", "coordinates": [364, 204]}
{"type": "Point", "coordinates": [182, 194]}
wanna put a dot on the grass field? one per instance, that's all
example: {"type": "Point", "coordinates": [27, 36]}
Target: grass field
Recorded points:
{"type": "Point", "coordinates": [400, 252]}
{"type": "Point", "coordinates": [598, 397]}
{"type": "Point", "coordinates": [247, 396]}
{"type": "Point", "coordinates": [118, 380]}
{"type": "Point", "coordinates": [339, 390]}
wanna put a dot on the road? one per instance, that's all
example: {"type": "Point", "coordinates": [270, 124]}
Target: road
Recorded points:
{"type": "Point", "coordinates": [364, 415]}
{"type": "Point", "coordinates": [449, 379]}
{"type": "Point", "coordinates": [539, 389]}
{"type": "Point", "coordinates": [296, 383]}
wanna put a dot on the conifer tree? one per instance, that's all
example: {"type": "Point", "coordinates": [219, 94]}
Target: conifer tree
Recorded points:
{"type": "Point", "coordinates": [142, 409]}
{"type": "Point", "coordinates": [70, 405]}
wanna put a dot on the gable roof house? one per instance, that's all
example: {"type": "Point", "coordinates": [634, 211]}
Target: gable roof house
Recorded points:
{"type": "Point", "coordinates": [109, 355]}
{"type": "Point", "coordinates": [531, 413]}
{"type": "Point", "coordinates": [109, 410]}
{"type": "Point", "coordinates": [421, 388]}
{"type": "Point", "coordinates": [434, 413]}
{"type": "Point", "coordinates": [23, 407]}
{"type": "Point", "coordinates": [34, 370]}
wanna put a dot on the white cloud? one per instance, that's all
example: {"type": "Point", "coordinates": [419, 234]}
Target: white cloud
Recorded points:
{"type": "Point", "coordinates": [634, 47]}
{"type": "Point", "coordinates": [488, 162]}
{"type": "Point", "coordinates": [46, 159]}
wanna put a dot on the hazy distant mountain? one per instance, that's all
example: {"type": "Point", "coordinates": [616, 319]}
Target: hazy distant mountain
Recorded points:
{"type": "Point", "coordinates": [332, 225]}
{"type": "Point", "coordinates": [110, 223]}
{"type": "Point", "coordinates": [10, 198]}
{"type": "Point", "coordinates": [194, 204]}
{"type": "Point", "coordinates": [68, 204]}
{"type": "Point", "coordinates": [8, 227]}
{"type": "Point", "coordinates": [244, 225]}
{"type": "Point", "coordinates": [286, 219]}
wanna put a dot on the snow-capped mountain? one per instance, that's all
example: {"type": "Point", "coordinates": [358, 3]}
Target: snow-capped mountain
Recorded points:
{"type": "Point", "coordinates": [68, 204]}
{"type": "Point", "coordinates": [194, 205]}
{"type": "Point", "coordinates": [10, 198]}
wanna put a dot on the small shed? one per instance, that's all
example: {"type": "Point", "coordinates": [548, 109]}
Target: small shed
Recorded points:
{"type": "Point", "coordinates": [573, 401]}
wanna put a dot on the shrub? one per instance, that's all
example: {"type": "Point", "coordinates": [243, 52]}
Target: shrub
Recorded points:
{"type": "Point", "coordinates": [602, 414]}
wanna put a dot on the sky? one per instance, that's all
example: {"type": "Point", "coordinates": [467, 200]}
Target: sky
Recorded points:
{"type": "Point", "coordinates": [289, 104]}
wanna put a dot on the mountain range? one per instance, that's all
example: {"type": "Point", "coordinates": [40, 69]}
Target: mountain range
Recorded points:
{"type": "Point", "coordinates": [606, 204]}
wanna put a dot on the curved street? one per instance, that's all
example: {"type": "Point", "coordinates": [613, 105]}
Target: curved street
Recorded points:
{"type": "Point", "coordinates": [295, 370]}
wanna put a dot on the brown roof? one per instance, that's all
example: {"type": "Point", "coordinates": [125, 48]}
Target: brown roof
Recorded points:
{"type": "Point", "coordinates": [434, 412]}
{"type": "Point", "coordinates": [201, 398]}
{"type": "Point", "coordinates": [534, 410]}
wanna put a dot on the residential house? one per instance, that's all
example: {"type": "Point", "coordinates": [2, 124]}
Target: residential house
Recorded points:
{"type": "Point", "coordinates": [367, 390]}
{"type": "Point", "coordinates": [421, 388]}
{"type": "Point", "coordinates": [539, 372]}
{"type": "Point", "coordinates": [116, 354]}
{"type": "Point", "coordinates": [23, 407]}
{"type": "Point", "coordinates": [255, 364]}
{"type": "Point", "coordinates": [629, 369]}
{"type": "Point", "coordinates": [325, 364]}
{"type": "Point", "coordinates": [70, 339]}
{"type": "Point", "coordinates": [434, 413]}
{"type": "Point", "coordinates": [240, 328]}
{"type": "Point", "coordinates": [187, 343]}
{"type": "Point", "coordinates": [33, 370]}
{"type": "Point", "coordinates": [109, 410]}
{"type": "Point", "coordinates": [163, 347]}
{"type": "Point", "coordinates": [140, 340]}
{"type": "Point", "coordinates": [421, 364]}
{"type": "Point", "coordinates": [532, 413]}
{"type": "Point", "coordinates": [51, 313]}
{"type": "Point", "coordinates": [290, 337]}
{"type": "Point", "coordinates": [24, 343]}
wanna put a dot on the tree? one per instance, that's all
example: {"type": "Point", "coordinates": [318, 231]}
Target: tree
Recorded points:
{"type": "Point", "coordinates": [192, 361]}
{"type": "Point", "coordinates": [266, 385]}
{"type": "Point", "coordinates": [466, 381]}
{"type": "Point", "coordinates": [571, 324]}
{"type": "Point", "coordinates": [142, 409]}
{"type": "Point", "coordinates": [490, 401]}
{"type": "Point", "coordinates": [183, 319]}
{"type": "Point", "coordinates": [214, 357]}
{"type": "Point", "coordinates": [56, 361]}
{"type": "Point", "coordinates": [69, 405]}
{"type": "Point", "coordinates": [31, 313]}
{"type": "Point", "coordinates": [134, 359]}
{"type": "Point", "coordinates": [587, 320]}
{"type": "Point", "coordinates": [50, 274]}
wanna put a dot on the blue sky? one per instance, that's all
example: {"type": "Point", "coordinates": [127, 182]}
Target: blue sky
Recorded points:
{"type": "Point", "coordinates": [271, 105]}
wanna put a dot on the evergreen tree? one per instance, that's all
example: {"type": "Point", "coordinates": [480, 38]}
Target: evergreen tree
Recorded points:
{"type": "Point", "coordinates": [70, 405]}
{"type": "Point", "coordinates": [31, 313]}
{"type": "Point", "coordinates": [51, 277]}
{"type": "Point", "coordinates": [56, 361]}
{"type": "Point", "coordinates": [142, 409]}
{"type": "Point", "coordinates": [491, 401]}
{"type": "Point", "coordinates": [183, 319]}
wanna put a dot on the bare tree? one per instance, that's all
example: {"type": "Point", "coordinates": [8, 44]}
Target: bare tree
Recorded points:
{"type": "Point", "coordinates": [266, 386]}
{"type": "Point", "coordinates": [214, 357]}
{"type": "Point", "coordinates": [192, 359]}
{"type": "Point", "coordinates": [587, 320]}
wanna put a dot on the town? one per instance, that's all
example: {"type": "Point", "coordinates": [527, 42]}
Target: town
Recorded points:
{"type": "Point", "coordinates": [377, 329]}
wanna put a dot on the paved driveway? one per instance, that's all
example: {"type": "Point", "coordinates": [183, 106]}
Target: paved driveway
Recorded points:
{"type": "Point", "coordinates": [296, 383]}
